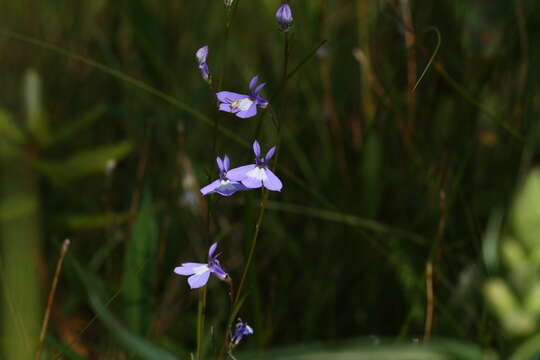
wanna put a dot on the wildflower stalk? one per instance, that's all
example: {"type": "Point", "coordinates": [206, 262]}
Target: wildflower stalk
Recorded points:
{"type": "Point", "coordinates": [200, 322]}
{"type": "Point", "coordinates": [285, 56]}
{"type": "Point", "coordinates": [264, 192]}
{"type": "Point", "coordinates": [52, 292]}
{"type": "Point", "coordinates": [285, 79]}
{"type": "Point", "coordinates": [262, 207]}
{"type": "Point", "coordinates": [230, 14]}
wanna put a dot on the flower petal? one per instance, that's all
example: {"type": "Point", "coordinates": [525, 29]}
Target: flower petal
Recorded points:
{"type": "Point", "coordinates": [205, 72]}
{"type": "Point", "coordinates": [201, 54]}
{"type": "Point", "coordinates": [270, 153]}
{"type": "Point", "coordinates": [220, 163]}
{"type": "Point", "coordinates": [226, 163]}
{"type": "Point", "coordinates": [252, 183]}
{"type": "Point", "coordinates": [229, 188]}
{"type": "Point", "coordinates": [261, 102]}
{"type": "Point", "coordinates": [272, 182]}
{"type": "Point", "coordinates": [187, 268]}
{"type": "Point", "coordinates": [212, 250]}
{"type": "Point", "coordinates": [227, 108]}
{"type": "Point", "coordinates": [252, 111]}
{"type": "Point", "coordinates": [218, 271]}
{"type": "Point", "coordinates": [239, 173]}
{"type": "Point", "coordinates": [253, 82]}
{"type": "Point", "coordinates": [198, 280]}
{"type": "Point", "coordinates": [257, 149]}
{"type": "Point", "coordinates": [259, 88]}
{"type": "Point", "coordinates": [210, 188]}
{"type": "Point", "coordinates": [229, 96]}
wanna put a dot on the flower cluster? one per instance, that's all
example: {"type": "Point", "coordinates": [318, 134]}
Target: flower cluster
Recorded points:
{"type": "Point", "coordinates": [199, 274]}
{"type": "Point", "coordinates": [242, 178]}
{"type": "Point", "coordinates": [245, 177]}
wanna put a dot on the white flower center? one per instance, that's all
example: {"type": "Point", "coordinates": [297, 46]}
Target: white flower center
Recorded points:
{"type": "Point", "coordinates": [224, 182]}
{"type": "Point", "coordinates": [242, 104]}
{"type": "Point", "coordinates": [201, 269]}
{"type": "Point", "coordinates": [258, 173]}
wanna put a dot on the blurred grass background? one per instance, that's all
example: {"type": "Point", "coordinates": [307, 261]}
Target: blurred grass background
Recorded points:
{"type": "Point", "coordinates": [380, 180]}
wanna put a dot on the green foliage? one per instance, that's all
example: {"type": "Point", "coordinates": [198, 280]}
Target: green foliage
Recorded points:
{"type": "Point", "coordinates": [107, 133]}
{"type": "Point", "coordinates": [132, 342]}
{"type": "Point", "coordinates": [516, 299]}
{"type": "Point", "coordinates": [83, 163]}
{"type": "Point", "coordinates": [139, 268]}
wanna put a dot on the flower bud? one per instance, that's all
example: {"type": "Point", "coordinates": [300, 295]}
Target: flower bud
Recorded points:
{"type": "Point", "coordinates": [284, 17]}
{"type": "Point", "coordinates": [201, 55]}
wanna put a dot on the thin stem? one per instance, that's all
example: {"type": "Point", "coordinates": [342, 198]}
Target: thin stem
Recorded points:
{"type": "Point", "coordinates": [284, 81]}
{"type": "Point", "coordinates": [262, 207]}
{"type": "Point", "coordinates": [200, 322]}
{"type": "Point", "coordinates": [52, 292]}
{"type": "Point", "coordinates": [285, 55]}
{"type": "Point", "coordinates": [429, 302]}
{"type": "Point", "coordinates": [230, 15]}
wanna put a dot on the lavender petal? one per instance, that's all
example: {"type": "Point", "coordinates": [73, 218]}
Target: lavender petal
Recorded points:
{"type": "Point", "coordinates": [212, 250]}
{"type": "Point", "coordinates": [226, 163]}
{"type": "Point", "coordinates": [229, 96]}
{"type": "Point", "coordinates": [239, 173]}
{"type": "Point", "coordinates": [218, 271]}
{"type": "Point", "coordinates": [252, 111]}
{"type": "Point", "coordinates": [259, 88]}
{"type": "Point", "coordinates": [270, 153]}
{"type": "Point", "coordinates": [272, 182]}
{"type": "Point", "coordinates": [257, 149]}
{"type": "Point", "coordinates": [229, 188]}
{"type": "Point", "coordinates": [220, 164]}
{"type": "Point", "coordinates": [187, 268]}
{"type": "Point", "coordinates": [210, 187]}
{"type": "Point", "coordinates": [253, 82]}
{"type": "Point", "coordinates": [252, 183]}
{"type": "Point", "coordinates": [199, 280]}
{"type": "Point", "coordinates": [201, 54]}
{"type": "Point", "coordinates": [227, 108]}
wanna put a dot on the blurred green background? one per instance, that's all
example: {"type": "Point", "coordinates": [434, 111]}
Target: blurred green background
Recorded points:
{"type": "Point", "coordinates": [390, 189]}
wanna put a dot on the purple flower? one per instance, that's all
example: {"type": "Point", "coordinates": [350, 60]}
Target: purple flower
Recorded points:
{"type": "Point", "coordinates": [201, 55]}
{"type": "Point", "coordinates": [243, 106]}
{"type": "Point", "coordinates": [201, 272]}
{"type": "Point", "coordinates": [256, 175]}
{"type": "Point", "coordinates": [284, 17]}
{"type": "Point", "coordinates": [242, 329]}
{"type": "Point", "coordinates": [223, 185]}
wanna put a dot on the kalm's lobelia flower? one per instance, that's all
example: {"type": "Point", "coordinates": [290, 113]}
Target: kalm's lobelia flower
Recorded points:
{"type": "Point", "coordinates": [256, 175]}
{"type": "Point", "coordinates": [201, 55]}
{"type": "Point", "coordinates": [284, 17]}
{"type": "Point", "coordinates": [242, 329]}
{"type": "Point", "coordinates": [199, 273]}
{"type": "Point", "coordinates": [223, 185]}
{"type": "Point", "coordinates": [243, 106]}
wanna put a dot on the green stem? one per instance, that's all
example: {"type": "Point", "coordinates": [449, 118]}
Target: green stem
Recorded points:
{"type": "Point", "coordinates": [262, 207]}
{"type": "Point", "coordinates": [230, 14]}
{"type": "Point", "coordinates": [284, 81]}
{"type": "Point", "coordinates": [285, 55]}
{"type": "Point", "coordinates": [200, 322]}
